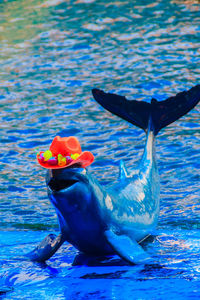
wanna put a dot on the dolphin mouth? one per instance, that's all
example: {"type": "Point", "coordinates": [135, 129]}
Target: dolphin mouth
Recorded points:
{"type": "Point", "coordinates": [57, 185]}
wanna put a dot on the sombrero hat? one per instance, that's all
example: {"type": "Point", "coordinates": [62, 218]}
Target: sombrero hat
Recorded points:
{"type": "Point", "coordinates": [64, 153]}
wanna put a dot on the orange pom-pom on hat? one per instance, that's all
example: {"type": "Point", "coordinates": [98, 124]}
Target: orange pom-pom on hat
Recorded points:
{"type": "Point", "coordinates": [63, 153]}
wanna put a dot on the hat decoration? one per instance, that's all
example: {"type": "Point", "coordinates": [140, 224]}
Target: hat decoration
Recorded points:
{"type": "Point", "coordinates": [63, 153]}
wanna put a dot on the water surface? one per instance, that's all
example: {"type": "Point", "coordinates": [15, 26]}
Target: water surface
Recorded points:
{"type": "Point", "coordinates": [52, 54]}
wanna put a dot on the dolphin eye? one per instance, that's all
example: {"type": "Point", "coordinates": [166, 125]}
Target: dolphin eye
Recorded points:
{"type": "Point", "coordinates": [60, 184]}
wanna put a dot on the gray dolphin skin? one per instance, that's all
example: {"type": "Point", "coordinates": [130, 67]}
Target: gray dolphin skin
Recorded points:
{"type": "Point", "coordinates": [99, 220]}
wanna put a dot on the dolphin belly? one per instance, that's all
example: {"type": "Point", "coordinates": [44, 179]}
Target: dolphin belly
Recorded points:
{"type": "Point", "coordinates": [80, 219]}
{"type": "Point", "coordinates": [84, 232]}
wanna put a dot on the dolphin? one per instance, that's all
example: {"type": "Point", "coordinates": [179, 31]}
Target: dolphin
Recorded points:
{"type": "Point", "coordinates": [100, 220]}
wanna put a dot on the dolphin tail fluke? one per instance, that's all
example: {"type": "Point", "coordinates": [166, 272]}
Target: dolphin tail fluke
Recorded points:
{"type": "Point", "coordinates": [139, 113]}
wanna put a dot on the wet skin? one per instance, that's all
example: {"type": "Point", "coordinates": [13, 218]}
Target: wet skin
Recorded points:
{"type": "Point", "coordinates": [87, 212]}
{"type": "Point", "coordinates": [100, 221]}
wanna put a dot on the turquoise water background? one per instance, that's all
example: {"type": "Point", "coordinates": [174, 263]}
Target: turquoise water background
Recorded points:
{"type": "Point", "coordinates": [52, 54]}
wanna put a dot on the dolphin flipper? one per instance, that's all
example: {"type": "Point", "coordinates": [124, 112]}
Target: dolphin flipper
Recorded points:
{"type": "Point", "coordinates": [127, 248]}
{"type": "Point", "coordinates": [48, 246]}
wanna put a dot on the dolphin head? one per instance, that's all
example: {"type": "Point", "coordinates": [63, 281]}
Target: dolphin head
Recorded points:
{"type": "Point", "coordinates": [68, 189]}
{"type": "Point", "coordinates": [71, 194]}
{"type": "Point", "coordinates": [77, 199]}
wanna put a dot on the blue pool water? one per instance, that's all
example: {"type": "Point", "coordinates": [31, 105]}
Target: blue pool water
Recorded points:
{"type": "Point", "coordinates": [52, 54]}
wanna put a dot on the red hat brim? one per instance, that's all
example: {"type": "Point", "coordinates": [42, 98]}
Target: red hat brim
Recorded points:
{"type": "Point", "coordinates": [83, 161]}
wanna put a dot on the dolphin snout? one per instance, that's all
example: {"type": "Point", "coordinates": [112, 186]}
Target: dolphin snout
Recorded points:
{"type": "Point", "coordinates": [58, 180]}
{"type": "Point", "coordinates": [57, 185]}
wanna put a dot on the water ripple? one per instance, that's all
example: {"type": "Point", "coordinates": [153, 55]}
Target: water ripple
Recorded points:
{"type": "Point", "coordinates": [51, 57]}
